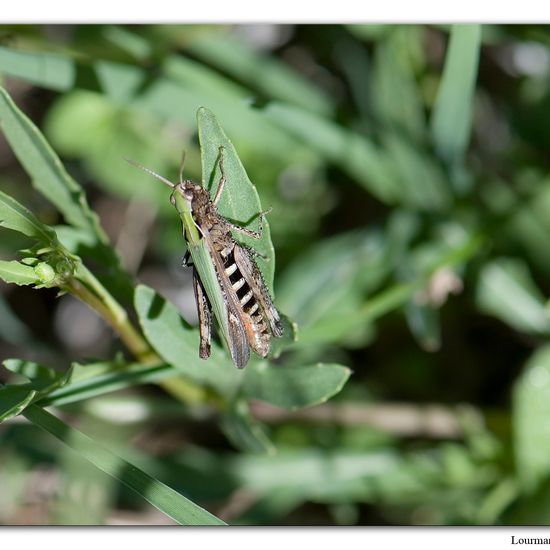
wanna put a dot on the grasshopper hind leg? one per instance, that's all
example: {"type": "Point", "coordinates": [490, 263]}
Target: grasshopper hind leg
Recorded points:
{"type": "Point", "coordinates": [205, 316]}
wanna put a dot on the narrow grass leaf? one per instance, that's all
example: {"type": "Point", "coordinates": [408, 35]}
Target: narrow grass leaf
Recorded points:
{"type": "Point", "coordinates": [531, 410]}
{"type": "Point", "coordinates": [452, 113]}
{"type": "Point", "coordinates": [14, 398]}
{"type": "Point", "coordinates": [507, 291]}
{"type": "Point", "coordinates": [162, 497]}
{"type": "Point", "coordinates": [392, 71]}
{"type": "Point", "coordinates": [101, 378]}
{"type": "Point", "coordinates": [43, 379]}
{"type": "Point", "coordinates": [353, 153]}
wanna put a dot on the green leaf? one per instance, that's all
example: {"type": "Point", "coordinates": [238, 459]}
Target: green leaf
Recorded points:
{"type": "Point", "coordinates": [97, 379]}
{"type": "Point", "coordinates": [354, 154]}
{"type": "Point", "coordinates": [244, 431]}
{"type": "Point", "coordinates": [507, 291]}
{"type": "Point", "coordinates": [294, 387]}
{"type": "Point", "coordinates": [49, 70]}
{"type": "Point", "coordinates": [356, 259]}
{"type": "Point", "coordinates": [18, 273]}
{"type": "Point", "coordinates": [178, 343]}
{"type": "Point", "coordinates": [44, 167]}
{"type": "Point", "coordinates": [165, 499]}
{"type": "Point", "coordinates": [178, 103]}
{"type": "Point", "coordinates": [531, 410]}
{"type": "Point", "coordinates": [42, 379]}
{"type": "Point", "coordinates": [423, 184]}
{"type": "Point", "coordinates": [199, 76]}
{"type": "Point", "coordinates": [14, 398]}
{"type": "Point", "coordinates": [395, 94]}
{"type": "Point", "coordinates": [175, 97]}
{"type": "Point", "coordinates": [423, 321]}
{"type": "Point", "coordinates": [15, 216]}
{"type": "Point", "coordinates": [239, 202]}
{"type": "Point", "coordinates": [452, 113]}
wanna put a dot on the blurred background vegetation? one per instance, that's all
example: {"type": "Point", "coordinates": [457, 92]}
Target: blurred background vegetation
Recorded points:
{"type": "Point", "coordinates": [407, 168]}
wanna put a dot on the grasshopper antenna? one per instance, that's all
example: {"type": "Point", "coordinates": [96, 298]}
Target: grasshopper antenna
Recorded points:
{"type": "Point", "coordinates": [149, 171]}
{"type": "Point", "coordinates": [182, 163]}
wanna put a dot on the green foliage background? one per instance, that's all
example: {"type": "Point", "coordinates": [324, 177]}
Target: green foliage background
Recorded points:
{"type": "Point", "coordinates": [407, 168]}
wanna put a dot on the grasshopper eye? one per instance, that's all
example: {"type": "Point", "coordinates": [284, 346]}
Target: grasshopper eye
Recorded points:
{"type": "Point", "coordinates": [188, 192]}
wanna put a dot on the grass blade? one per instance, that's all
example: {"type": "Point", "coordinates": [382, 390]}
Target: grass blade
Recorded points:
{"type": "Point", "coordinates": [14, 399]}
{"type": "Point", "coordinates": [359, 157]}
{"type": "Point", "coordinates": [530, 420]}
{"type": "Point", "coordinates": [452, 113]}
{"type": "Point", "coordinates": [162, 497]}
{"type": "Point", "coordinates": [103, 379]}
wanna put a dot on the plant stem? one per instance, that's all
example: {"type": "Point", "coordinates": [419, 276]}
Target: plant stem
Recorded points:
{"type": "Point", "coordinates": [87, 288]}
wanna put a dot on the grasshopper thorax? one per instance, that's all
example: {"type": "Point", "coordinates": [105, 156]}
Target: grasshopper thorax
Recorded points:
{"type": "Point", "coordinates": [194, 194]}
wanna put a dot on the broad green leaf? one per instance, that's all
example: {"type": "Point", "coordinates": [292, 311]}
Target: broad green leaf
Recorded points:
{"type": "Point", "coordinates": [15, 216]}
{"type": "Point", "coordinates": [239, 202]}
{"type": "Point", "coordinates": [531, 411]}
{"type": "Point", "coordinates": [452, 113]}
{"type": "Point", "coordinates": [18, 273]}
{"type": "Point", "coordinates": [44, 167]}
{"type": "Point", "coordinates": [294, 387]}
{"type": "Point", "coordinates": [266, 74]}
{"type": "Point", "coordinates": [165, 499]}
{"type": "Point", "coordinates": [49, 70]}
{"type": "Point", "coordinates": [507, 291]}
{"type": "Point", "coordinates": [178, 344]}
{"type": "Point", "coordinates": [359, 157]}
{"type": "Point", "coordinates": [14, 398]}
{"type": "Point", "coordinates": [102, 132]}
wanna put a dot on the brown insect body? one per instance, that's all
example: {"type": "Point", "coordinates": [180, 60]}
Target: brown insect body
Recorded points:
{"type": "Point", "coordinates": [252, 316]}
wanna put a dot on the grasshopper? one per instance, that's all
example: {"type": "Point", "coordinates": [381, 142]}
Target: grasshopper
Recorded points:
{"type": "Point", "coordinates": [252, 319]}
